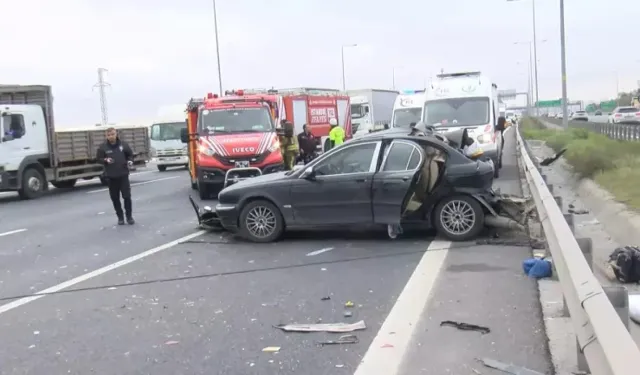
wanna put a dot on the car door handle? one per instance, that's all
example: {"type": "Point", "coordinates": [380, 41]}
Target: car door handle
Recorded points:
{"type": "Point", "coordinates": [405, 178]}
{"type": "Point", "coordinates": [361, 180]}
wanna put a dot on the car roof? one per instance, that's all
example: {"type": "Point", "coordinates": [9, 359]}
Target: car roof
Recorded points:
{"type": "Point", "coordinates": [400, 133]}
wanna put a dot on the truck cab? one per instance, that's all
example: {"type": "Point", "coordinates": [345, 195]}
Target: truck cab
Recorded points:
{"type": "Point", "coordinates": [231, 138]}
{"type": "Point", "coordinates": [371, 110]}
{"type": "Point", "coordinates": [167, 149]}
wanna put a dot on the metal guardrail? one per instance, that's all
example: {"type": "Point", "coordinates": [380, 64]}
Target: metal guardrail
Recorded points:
{"type": "Point", "coordinates": [622, 132]}
{"type": "Point", "coordinates": [602, 337]}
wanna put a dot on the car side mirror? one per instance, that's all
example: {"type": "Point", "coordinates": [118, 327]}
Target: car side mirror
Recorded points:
{"type": "Point", "coordinates": [309, 174]}
{"type": "Point", "coordinates": [184, 135]}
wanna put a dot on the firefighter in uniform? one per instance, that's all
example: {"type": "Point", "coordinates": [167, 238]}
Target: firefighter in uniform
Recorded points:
{"type": "Point", "coordinates": [289, 146]}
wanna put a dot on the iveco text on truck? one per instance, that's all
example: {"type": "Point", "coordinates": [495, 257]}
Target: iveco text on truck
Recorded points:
{"type": "Point", "coordinates": [33, 153]}
{"type": "Point", "coordinates": [371, 109]}
{"type": "Point", "coordinates": [467, 100]}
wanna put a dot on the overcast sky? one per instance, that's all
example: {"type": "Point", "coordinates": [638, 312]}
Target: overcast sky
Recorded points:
{"type": "Point", "coordinates": [162, 52]}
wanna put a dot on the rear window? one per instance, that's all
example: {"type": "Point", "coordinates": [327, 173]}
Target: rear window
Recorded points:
{"type": "Point", "coordinates": [627, 110]}
{"type": "Point", "coordinates": [581, 113]}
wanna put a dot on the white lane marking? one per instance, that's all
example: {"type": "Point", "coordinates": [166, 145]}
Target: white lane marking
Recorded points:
{"type": "Point", "coordinates": [397, 330]}
{"type": "Point", "coordinates": [98, 272]}
{"type": "Point", "coordinates": [137, 183]}
{"type": "Point", "coordinates": [12, 232]}
{"type": "Point", "coordinates": [319, 251]}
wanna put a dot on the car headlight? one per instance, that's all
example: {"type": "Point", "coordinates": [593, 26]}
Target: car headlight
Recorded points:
{"type": "Point", "coordinates": [206, 150]}
{"type": "Point", "coordinates": [185, 150]}
{"type": "Point", "coordinates": [274, 146]}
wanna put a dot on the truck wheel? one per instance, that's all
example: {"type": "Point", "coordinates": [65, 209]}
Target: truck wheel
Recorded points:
{"type": "Point", "coordinates": [162, 168]}
{"type": "Point", "coordinates": [33, 184]}
{"type": "Point", "coordinates": [67, 184]}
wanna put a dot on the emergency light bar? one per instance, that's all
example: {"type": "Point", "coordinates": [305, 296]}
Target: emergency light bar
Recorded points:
{"type": "Point", "coordinates": [460, 74]}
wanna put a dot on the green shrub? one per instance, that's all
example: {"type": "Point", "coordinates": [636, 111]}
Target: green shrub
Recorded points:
{"type": "Point", "coordinates": [588, 157]}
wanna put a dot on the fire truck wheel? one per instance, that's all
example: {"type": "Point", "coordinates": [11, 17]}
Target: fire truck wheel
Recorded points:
{"type": "Point", "coordinates": [261, 221]}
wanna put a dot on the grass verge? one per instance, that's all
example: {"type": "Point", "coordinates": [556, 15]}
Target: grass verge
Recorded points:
{"type": "Point", "coordinates": [614, 165]}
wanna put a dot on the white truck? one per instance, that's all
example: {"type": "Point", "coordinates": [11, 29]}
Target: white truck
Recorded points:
{"type": "Point", "coordinates": [408, 109]}
{"type": "Point", "coordinates": [167, 150]}
{"type": "Point", "coordinates": [33, 154]}
{"type": "Point", "coordinates": [467, 100]}
{"type": "Point", "coordinates": [371, 110]}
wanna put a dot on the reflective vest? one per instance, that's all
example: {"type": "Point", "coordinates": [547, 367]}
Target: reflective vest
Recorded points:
{"type": "Point", "coordinates": [336, 135]}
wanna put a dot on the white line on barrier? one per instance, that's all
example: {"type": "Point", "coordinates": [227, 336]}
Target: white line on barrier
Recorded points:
{"type": "Point", "coordinates": [403, 318]}
{"type": "Point", "coordinates": [36, 296]}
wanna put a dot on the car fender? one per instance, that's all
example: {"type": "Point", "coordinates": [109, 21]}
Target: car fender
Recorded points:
{"type": "Point", "coordinates": [287, 214]}
{"type": "Point", "coordinates": [486, 204]}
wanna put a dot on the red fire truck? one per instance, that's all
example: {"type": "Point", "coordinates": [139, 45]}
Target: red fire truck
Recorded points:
{"type": "Point", "coordinates": [233, 137]}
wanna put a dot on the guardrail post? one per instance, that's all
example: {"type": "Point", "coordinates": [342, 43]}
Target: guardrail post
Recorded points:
{"type": "Point", "coordinates": [569, 219]}
{"type": "Point", "coordinates": [558, 200]}
{"type": "Point", "coordinates": [544, 178]}
{"type": "Point", "coordinates": [619, 298]}
{"type": "Point", "coordinates": [586, 245]}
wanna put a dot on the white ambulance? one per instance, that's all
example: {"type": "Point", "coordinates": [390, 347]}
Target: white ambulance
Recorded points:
{"type": "Point", "coordinates": [407, 109]}
{"type": "Point", "coordinates": [467, 100]}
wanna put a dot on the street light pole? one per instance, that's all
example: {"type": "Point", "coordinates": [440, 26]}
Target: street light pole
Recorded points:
{"type": "Point", "coordinates": [393, 82]}
{"type": "Point", "coordinates": [535, 52]}
{"type": "Point", "coordinates": [215, 24]}
{"type": "Point", "coordinates": [565, 119]}
{"type": "Point", "coordinates": [344, 80]}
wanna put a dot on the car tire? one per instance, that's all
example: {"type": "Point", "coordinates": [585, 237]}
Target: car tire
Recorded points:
{"type": "Point", "coordinates": [162, 168]}
{"type": "Point", "coordinates": [269, 212]}
{"type": "Point", "coordinates": [33, 184]}
{"type": "Point", "coordinates": [461, 205]}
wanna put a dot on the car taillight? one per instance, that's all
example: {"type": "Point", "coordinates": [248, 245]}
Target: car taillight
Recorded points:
{"type": "Point", "coordinates": [618, 115]}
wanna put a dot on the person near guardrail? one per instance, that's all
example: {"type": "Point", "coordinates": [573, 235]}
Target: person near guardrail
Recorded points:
{"type": "Point", "coordinates": [502, 125]}
{"type": "Point", "coordinates": [117, 157]}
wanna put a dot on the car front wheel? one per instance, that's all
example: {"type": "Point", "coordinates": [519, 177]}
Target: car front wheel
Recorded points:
{"type": "Point", "coordinates": [459, 218]}
{"type": "Point", "coordinates": [261, 221]}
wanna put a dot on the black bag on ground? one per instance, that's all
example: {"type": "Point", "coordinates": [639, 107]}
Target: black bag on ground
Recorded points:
{"type": "Point", "coordinates": [625, 262]}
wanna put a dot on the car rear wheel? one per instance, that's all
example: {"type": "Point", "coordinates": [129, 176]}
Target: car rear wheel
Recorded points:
{"type": "Point", "coordinates": [261, 221]}
{"type": "Point", "coordinates": [459, 218]}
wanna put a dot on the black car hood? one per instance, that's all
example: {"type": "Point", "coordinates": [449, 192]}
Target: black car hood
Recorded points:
{"type": "Point", "coordinates": [265, 178]}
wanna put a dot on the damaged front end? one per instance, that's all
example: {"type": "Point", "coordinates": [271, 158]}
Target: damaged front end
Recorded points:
{"type": "Point", "coordinates": [208, 219]}
{"type": "Point", "coordinates": [510, 211]}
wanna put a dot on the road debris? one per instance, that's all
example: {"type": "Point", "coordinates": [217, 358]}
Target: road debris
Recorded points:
{"type": "Point", "coordinates": [172, 342]}
{"type": "Point", "coordinates": [509, 369]}
{"type": "Point", "coordinates": [347, 314]}
{"type": "Point", "coordinates": [385, 346]}
{"type": "Point", "coordinates": [625, 263]}
{"type": "Point", "coordinates": [348, 304]}
{"type": "Point", "coordinates": [533, 242]}
{"type": "Point", "coordinates": [537, 268]}
{"type": "Point", "coordinates": [325, 327]}
{"type": "Point", "coordinates": [578, 211]}
{"type": "Point", "coordinates": [465, 326]}
{"type": "Point", "coordinates": [271, 349]}
{"type": "Point", "coordinates": [344, 339]}
{"type": "Point", "coordinates": [327, 298]}
{"type": "Point", "coordinates": [548, 161]}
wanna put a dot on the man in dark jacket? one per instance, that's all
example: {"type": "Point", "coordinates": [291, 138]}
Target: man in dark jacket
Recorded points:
{"type": "Point", "coordinates": [308, 144]}
{"type": "Point", "coordinates": [117, 157]}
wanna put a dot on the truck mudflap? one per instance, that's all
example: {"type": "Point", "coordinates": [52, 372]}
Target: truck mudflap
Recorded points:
{"type": "Point", "coordinates": [238, 174]}
{"type": "Point", "coordinates": [207, 218]}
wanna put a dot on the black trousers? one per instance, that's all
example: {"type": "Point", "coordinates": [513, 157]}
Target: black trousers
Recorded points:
{"type": "Point", "coordinates": [120, 186]}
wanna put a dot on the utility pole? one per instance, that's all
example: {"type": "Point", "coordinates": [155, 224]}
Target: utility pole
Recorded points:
{"type": "Point", "coordinates": [563, 57]}
{"type": "Point", "coordinates": [535, 53]}
{"type": "Point", "coordinates": [215, 24]}
{"type": "Point", "coordinates": [101, 86]}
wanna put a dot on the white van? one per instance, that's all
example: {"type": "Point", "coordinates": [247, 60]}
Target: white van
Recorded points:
{"type": "Point", "coordinates": [407, 109]}
{"type": "Point", "coordinates": [467, 100]}
{"type": "Point", "coordinates": [167, 150]}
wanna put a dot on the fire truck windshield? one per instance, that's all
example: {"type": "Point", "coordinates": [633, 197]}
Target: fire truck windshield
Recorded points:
{"type": "Point", "coordinates": [235, 120]}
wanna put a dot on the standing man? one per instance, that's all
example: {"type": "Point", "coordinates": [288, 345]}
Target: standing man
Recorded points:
{"type": "Point", "coordinates": [289, 146]}
{"type": "Point", "coordinates": [117, 157]}
{"type": "Point", "coordinates": [308, 144]}
{"type": "Point", "coordinates": [336, 134]}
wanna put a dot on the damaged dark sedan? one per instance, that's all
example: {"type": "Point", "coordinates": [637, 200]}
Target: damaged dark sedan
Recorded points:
{"type": "Point", "coordinates": [417, 178]}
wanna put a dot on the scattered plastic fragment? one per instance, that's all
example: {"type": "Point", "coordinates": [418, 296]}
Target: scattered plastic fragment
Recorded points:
{"type": "Point", "coordinates": [387, 346]}
{"type": "Point", "coordinates": [548, 161]}
{"type": "Point", "coordinates": [577, 211]}
{"type": "Point", "coordinates": [271, 349]}
{"type": "Point", "coordinates": [537, 268]}
{"type": "Point", "coordinates": [172, 342]}
{"type": "Point", "coordinates": [509, 369]}
{"type": "Point", "coordinates": [326, 327]}
{"type": "Point", "coordinates": [325, 298]}
{"type": "Point", "coordinates": [348, 304]}
{"type": "Point", "coordinates": [347, 314]}
{"type": "Point", "coordinates": [344, 339]}
{"type": "Point", "coordinates": [339, 366]}
{"type": "Point", "coordinates": [465, 326]}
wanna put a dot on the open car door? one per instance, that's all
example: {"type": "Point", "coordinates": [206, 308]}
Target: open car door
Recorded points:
{"type": "Point", "coordinates": [397, 180]}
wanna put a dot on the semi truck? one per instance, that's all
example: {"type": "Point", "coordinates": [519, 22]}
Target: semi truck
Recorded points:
{"type": "Point", "coordinates": [371, 109]}
{"type": "Point", "coordinates": [33, 154]}
{"type": "Point", "coordinates": [234, 137]}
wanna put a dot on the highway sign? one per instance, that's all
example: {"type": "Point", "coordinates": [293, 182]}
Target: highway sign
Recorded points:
{"type": "Point", "coordinates": [549, 103]}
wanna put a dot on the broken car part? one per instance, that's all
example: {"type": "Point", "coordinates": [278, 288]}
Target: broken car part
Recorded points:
{"type": "Point", "coordinates": [509, 369]}
{"type": "Point", "coordinates": [323, 327]}
{"type": "Point", "coordinates": [465, 326]}
{"type": "Point", "coordinates": [344, 339]}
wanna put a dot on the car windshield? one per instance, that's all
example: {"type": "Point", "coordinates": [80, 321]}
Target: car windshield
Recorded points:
{"type": "Point", "coordinates": [235, 120]}
{"type": "Point", "coordinates": [457, 112]}
{"type": "Point", "coordinates": [357, 111]}
{"type": "Point", "coordinates": [167, 131]}
{"type": "Point", "coordinates": [403, 117]}
{"type": "Point", "coordinates": [627, 110]}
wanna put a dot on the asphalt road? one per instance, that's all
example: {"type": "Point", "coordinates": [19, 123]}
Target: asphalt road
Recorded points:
{"type": "Point", "coordinates": [161, 298]}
